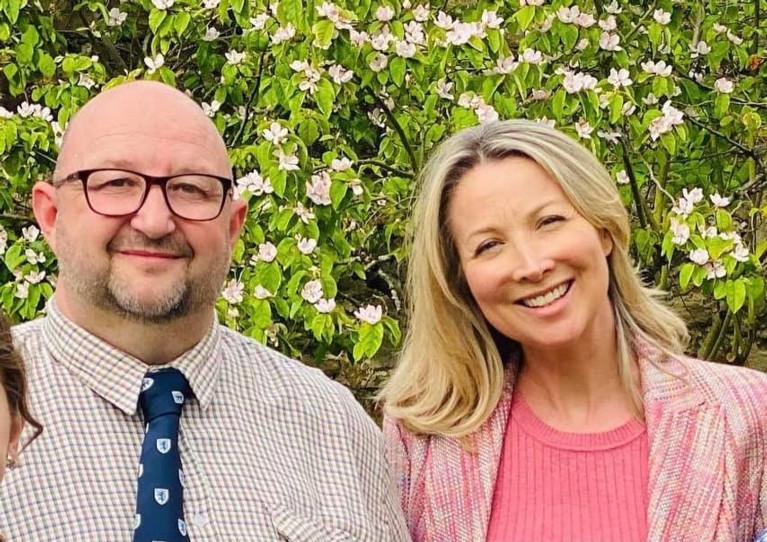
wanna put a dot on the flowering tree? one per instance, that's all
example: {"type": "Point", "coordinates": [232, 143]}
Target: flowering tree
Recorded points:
{"type": "Point", "coordinates": [329, 111]}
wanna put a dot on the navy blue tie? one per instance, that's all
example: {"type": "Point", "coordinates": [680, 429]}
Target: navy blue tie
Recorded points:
{"type": "Point", "coordinates": [159, 501]}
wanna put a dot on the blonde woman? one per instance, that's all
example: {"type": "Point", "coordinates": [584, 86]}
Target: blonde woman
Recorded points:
{"type": "Point", "coordinates": [542, 393]}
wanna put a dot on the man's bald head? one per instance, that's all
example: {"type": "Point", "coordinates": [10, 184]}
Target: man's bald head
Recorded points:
{"type": "Point", "coordinates": [139, 108]}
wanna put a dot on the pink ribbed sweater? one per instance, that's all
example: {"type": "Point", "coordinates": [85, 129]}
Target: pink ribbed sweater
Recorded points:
{"type": "Point", "coordinates": [555, 486]}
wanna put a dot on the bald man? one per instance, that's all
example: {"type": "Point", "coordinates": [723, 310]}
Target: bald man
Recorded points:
{"type": "Point", "coordinates": [160, 424]}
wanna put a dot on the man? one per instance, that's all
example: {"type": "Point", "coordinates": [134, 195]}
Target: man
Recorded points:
{"type": "Point", "coordinates": [141, 217]}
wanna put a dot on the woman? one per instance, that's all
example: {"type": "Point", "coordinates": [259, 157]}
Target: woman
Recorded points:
{"type": "Point", "coordinates": [542, 393]}
{"type": "Point", "coordinates": [13, 403]}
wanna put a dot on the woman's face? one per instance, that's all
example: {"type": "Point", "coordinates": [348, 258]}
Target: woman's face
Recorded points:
{"type": "Point", "coordinates": [10, 428]}
{"type": "Point", "coordinates": [535, 267]}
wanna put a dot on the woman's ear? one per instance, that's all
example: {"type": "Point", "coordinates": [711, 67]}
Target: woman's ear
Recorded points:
{"type": "Point", "coordinates": [607, 242]}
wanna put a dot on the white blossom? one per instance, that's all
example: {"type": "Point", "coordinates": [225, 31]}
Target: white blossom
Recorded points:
{"type": "Point", "coordinates": [369, 313]}
{"type": "Point", "coordinates": [585, 20]}
{"type": "Point", "coordinates": [733, 38]}
{"type": "Point", "coordinates": [5, 114]}
{"type": "Point", "coordinates": [719, 28]}
{"type": "Point", "coordinates": [276, 134]}
{"type": "Point", "coordinates": [254, 183]}
{"type": "Point", "coordinates": [287, 162]}
{"type": "Point", "coordinates": [116, 17]}
{"type": "Point", "coordinates": [385, 13]}
{"type": "Point", "coordinates": [568, 14]}
{"type": "Point", "coordinates": [582, 44]}
{"type": "Point", "coordinates": [3, 240]}
{"type": "Point", "coordinates": [490, 19]}
{"type": "Point", "coordinates": [405, 49]}
{"type": "Point", "coordinates": [304, 214]}
{"type": "Point", "coordinates": [546, 121]}
{"type": "Point", "coordinates": [234, 57]}
{"type": "Point", "coordinates": [34, 277]}
{"type": "Point", "coordinates": [539, 94]}
{"type": "Point", "coordinates": [22, 290]}
{"type": "Point", "coordinates": [414, 33]}
{"type": "Point", "coordinates": [740, 253]}
{"type": "Point", "coordinates": [211, 33]}
{"type": "Point", "coordinates": [34, 257]}
{"type": "Point", "coordinates": [377, 117]}
{"type": "Point", "coordinates": [30, 233]}
{"type": "Point", "coordinates": [312, 291]}
{"type": "Point", "coordinates": [695, 195]}
{"type": "Point", "coordinates": [680, 231]}
{"type": "Point", "coordinates": [506, 65]}
{"type": "Point", "coordinates": [259, 21]}
{"type": "Point", "coordinates": [339, 74]}
{"type": "Point", "coordinates": [329, 10]}
{"type": "Point", "coordinates": [699, 256]}
{"type": "Point", "coordinates": [719, 201]}
{"type": "Point", "coordinates": [622, 177]}
{"type": "Point", "coordinates": [531, 56]}
{"type": "Point", "coordinates": [259, 292]}
{"type": "Point", "coordinates": [155, 63]}
{"type": "Point", "coordinates": [707, 232]}
{"type": "Point", "coordinates": [443, 89]}
{"type": "Point", "coordinates": [657, 68]}
{"type": "Point", "coordinates": [578, 81]}
{"type": "Point", "coordinates": [381, 40]}
{"type": "Point", "coordinates": [608, 24]}
{"type": "Point", "coordinates": [379, 62]}
{"type": "Point", "coordinates": [715, 270]}
{"type": "Point", "coordinates": [358, 39]}
{"type": "Point", "coordinates": [325, 305]}
{"type": "Point", "coordinates": [661, 17]}
{"type": "Point", "coordinates": [661, 125]}
{"type": "Point", "coordinates": [212, 109]}
{"type": "Point", "coordinates": [163, 4]}
{"type": "Point", "coordinates": [233, 292]}
{"type": "Point", "coordinates": [700, 48]}
{"type": "Point", "coordinates": [613, 8]}
{"type": "Point", "coordinates": [683, 207]}
{"type": "Point", "coordinates": [421, 13]}
{"type": "Point", "coordinates": [650, 99]}
{"type": "Point", "coordinates": [612, 137]}
{"type": "Point", "coordinates": [461, 33]}
{"type": "Point", "coordinates": [318, 189]}
{"type": "Point", "coordinates": [584, 129]}
{"type": "Point", "coordinates": [609, 42]}
{"type": "Point", "coordinates": [444, 21]}
{"type": "Point", "coordinates": [356, 187]}
{"type": "Point", "coordinates": [619, 78]}
{"type": "Point", "coordinates": [724, 85]}
{"type": "Point", "coordinates": [267, 252]}
{"type": "Point", "coordinates": [210, 4]}
{"type": "Point", "coordinates": [306, 245]}
{"type": "Point", "coordinates": [340, 164]}
{"type": "Point", "coordinates": [284, 33]}
{"type": "Point", "coordinates": [486, 113]}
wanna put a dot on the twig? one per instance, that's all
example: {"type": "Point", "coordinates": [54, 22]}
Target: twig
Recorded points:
{"type": "Point", "coordinates": [750, 152]}
{"type": "Point", "coordinates": [387, 167]}
{"type": "Point", "coordinates": [253, 95]}
{"type": "Point", "coordinates": [397, 128]}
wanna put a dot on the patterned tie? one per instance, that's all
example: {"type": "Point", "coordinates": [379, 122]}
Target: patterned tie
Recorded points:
{"type": "Point", "coordinates": [159, 502]}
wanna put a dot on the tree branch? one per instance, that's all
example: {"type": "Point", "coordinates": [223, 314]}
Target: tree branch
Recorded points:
{"type": "Point", "coordinates": [397, 128]}
{"type": "Point", "coordinates": [387, 167]}
{"type": "Point", "coordinates": [253, 96]}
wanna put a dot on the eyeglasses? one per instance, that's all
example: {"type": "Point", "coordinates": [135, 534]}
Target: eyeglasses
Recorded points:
{"type": "Point", "coordinates": [121, 192]}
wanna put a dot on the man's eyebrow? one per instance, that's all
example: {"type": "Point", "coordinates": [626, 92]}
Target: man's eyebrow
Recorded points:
{"type": "Point", "coordinates": [120, 163]}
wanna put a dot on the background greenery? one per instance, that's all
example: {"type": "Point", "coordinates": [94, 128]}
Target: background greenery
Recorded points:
{"type": "Point", "coordinates": [331, 109]}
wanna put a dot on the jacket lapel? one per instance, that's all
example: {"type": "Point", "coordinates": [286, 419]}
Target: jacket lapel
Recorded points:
{"type": "Point", "coordinates": [686, 463]}
{"type": "Point", "coordinates": [460, 499]}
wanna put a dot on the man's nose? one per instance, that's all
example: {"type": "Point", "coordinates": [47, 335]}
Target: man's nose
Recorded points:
{"type": "Point", "coordinates": [154, 219]}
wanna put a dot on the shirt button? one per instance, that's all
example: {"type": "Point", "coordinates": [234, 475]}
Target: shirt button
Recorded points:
{"type": "Point", "coordinates": [200, 519]}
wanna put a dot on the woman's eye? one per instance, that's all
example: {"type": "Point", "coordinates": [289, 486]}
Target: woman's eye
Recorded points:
{"type": "Point", "coordinates": [551, 219]}
{"type": "Point", "coordinates": [484, 246]}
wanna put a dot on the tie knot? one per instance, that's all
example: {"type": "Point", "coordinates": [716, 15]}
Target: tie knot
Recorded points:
{"type": "Point", "coordinates": [163, 392]}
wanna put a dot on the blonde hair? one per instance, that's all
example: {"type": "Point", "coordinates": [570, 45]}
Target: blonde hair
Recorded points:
{"type": "Point", "coordinates": [451, 373]}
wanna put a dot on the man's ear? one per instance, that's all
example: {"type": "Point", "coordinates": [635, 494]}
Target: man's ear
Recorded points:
{"type": "Point", "coordinates": [46, 211]}
{"type": "Point", "coordinates": [237, 219]}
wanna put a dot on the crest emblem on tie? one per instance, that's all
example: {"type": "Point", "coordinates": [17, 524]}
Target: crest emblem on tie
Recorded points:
{"type": "Point", "coordinates": [147, 383]}
{"type": "Point", "coordinates": [163, 445]}
{"type": "Point", "coordinates": [182, 527]}
{"type": "Point", "coordinates": [136, 521]}
{"type": "Point", "coordinates": [178, 397]}
{"type": "Point", "coordinates": [161, 495]}
{"type": "Point", "coordinates": [181, 477]}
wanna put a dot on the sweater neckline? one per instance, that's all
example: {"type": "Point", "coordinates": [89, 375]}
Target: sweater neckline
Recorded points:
{"type": "Point", "coordinates": [526, 419]}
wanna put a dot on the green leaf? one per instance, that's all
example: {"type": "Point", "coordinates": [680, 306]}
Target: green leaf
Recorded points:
{"type": "Point", "coordinates": [181, 22]}
{"type": "Point", "coordinates": [324, 97]}
{"type": "Point", "coordinates": [721, 105]}
{"type": "Point", "coordinates": [46, 65]}
{"type": "Point", "coordinates": [156, 17]}
{"type": "Point", "coordinates": [11, 9]}
{"type": "Point", "coordinates": [685, 274]}
{"type": "Point", "coordinates": [616, 108]}
{"type": "Point", "coordinates": [525, 16]}
{"type": "Point", "coordinates": [723, 220]}
{"type": "Point", "coordinates": [323, 31]}
{"type": "Point", "coordinates": [370, 339]}
{"type": "Point", "coordinates": [338, 190]}
{"type": "Point", "coordinates": [397, 68]}
{"type": "Point", "coordinates": [558, 104]}
{"type": "Point", "coordinates": [14, 256]}
{"type": "Point", "coordinates": [308, 131]}
{"type": "Point", "coordinates": [736, 294]}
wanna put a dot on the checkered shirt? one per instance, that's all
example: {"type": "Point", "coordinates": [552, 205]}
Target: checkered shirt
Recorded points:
{"type": "Point", "coordinates": [272, 449]}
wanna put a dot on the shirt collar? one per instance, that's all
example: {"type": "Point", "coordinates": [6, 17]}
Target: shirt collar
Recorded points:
{"type": "Point", "coordinates": [115, 375]}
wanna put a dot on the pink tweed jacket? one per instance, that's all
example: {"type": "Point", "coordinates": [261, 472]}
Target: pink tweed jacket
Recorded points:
{"type": "Point", "coordinates": [707, 426]}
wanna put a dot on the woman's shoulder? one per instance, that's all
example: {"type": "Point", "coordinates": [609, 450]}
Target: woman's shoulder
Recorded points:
{"type": "Point", "coordinates": [728, 382]}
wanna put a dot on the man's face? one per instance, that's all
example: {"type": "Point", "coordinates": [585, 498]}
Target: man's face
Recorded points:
{"type": "Point", "coordinates": [151, 266]}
